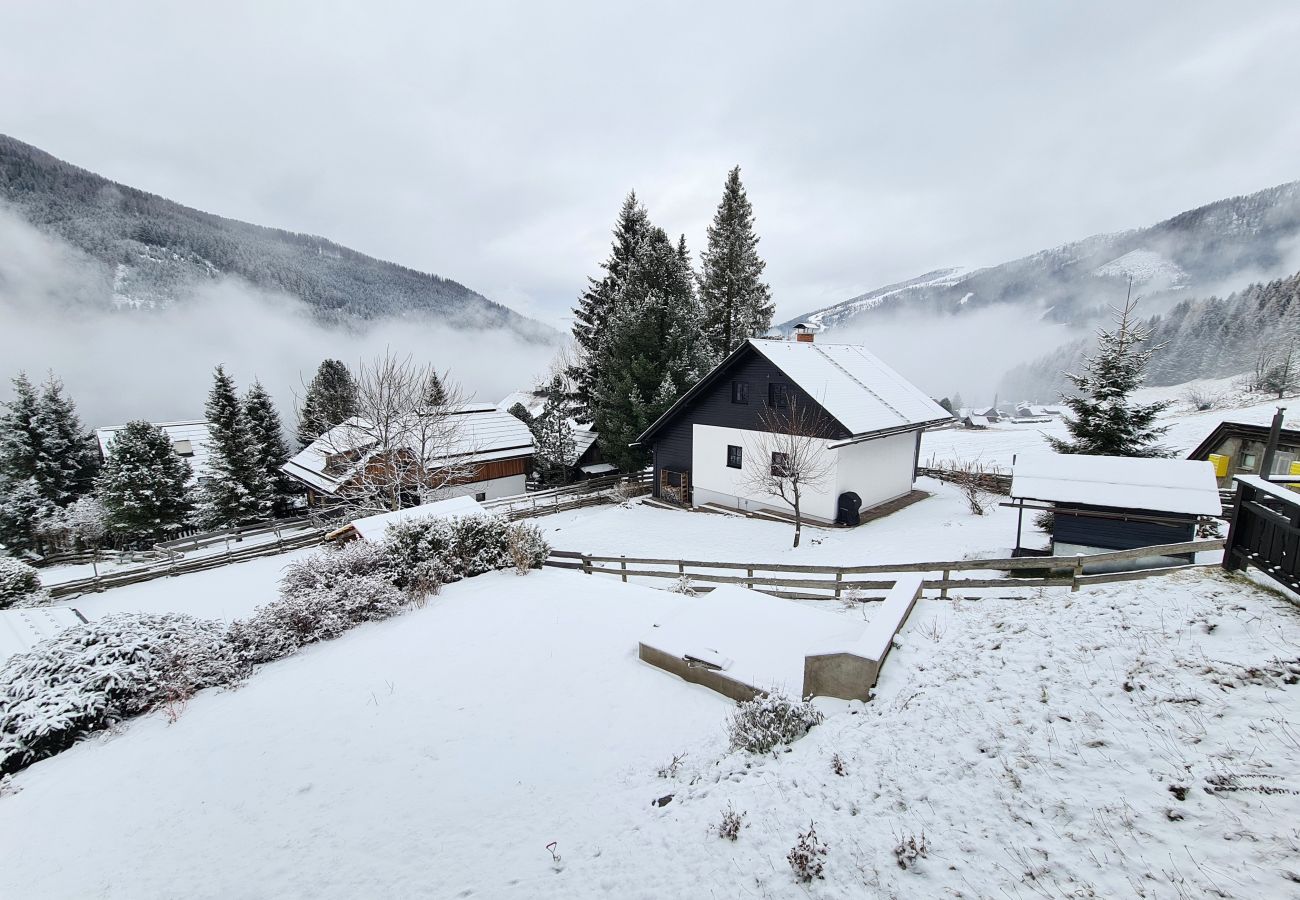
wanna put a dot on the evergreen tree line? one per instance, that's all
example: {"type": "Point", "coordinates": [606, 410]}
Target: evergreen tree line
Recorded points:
{"type": "Point", "coordinates": [650, 325]}
{"type": "Point", "coordinates": [55, 494]}
{"type": "Point", "coordinates": [1257, 328]}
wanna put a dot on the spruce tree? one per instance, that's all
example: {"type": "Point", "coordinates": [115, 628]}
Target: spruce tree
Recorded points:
{"type": "Point", "coordinates": [19, 442]}
{"type": "Point", "coordinates": [272, 453]}
{"type": "Point", "coordinates": [1103, 420]}
{"type": "Point", "coordinates": [435, 394]}
{"type": "Point", "coordinates": [67, 456]}
{"type": "Point", "coordinates": [553, 432]}
{"type": "Point", "coordinates": [597, 301]}
{"type": "Point", "coordinates": [331, 399]}
{"type": "Point", "coordinates": [520, 412]}
{"type": "Point", "coordinates": [737, 304]}
{"type": "Point", "coordinates": [142, 486]}
{"type": "Point", "coordinates": [651, 351]}
{"type": "Point", "coordinates": [236, 492]}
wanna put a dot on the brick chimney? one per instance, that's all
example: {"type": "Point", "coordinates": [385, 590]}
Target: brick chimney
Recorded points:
{"type": "Point", "coordinates": [804, 333]}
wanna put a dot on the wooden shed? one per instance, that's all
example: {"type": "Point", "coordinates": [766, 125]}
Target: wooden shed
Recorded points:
{"type": "Point", "coordinates": [1102, 503]}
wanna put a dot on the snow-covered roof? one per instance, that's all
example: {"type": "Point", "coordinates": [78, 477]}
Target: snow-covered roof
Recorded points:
{"type": "Point", "coordinates": [482, 433]}
{"type": "Point", "coordinates": [22, 629]}
{"type": "Point", "coordinates": [190, 440]}
{"type": "Point", "coordinates": [531, 402]}
{"type": "Point", "coordinates": [372, 528]}
{"type": "Point", "coordinates": [754, 638]}
{"type": "Point", "coordinates": [599, 469]}
{"type": "Point", "coordinates": [1159, 485]}
{"type": "Point", "coordinates": [977, 421]}
{"type": "Point", "coordinates": [853, 385]}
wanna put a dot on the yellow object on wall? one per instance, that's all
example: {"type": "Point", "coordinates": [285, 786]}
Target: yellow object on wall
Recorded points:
{"type": "Point", "coordinates": [1220, 463]}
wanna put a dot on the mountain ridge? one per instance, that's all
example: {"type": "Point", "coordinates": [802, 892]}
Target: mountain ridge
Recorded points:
{"type": "Point", "coordinates": [1212, 248]}
{"type": "Point", "coordinates": [149, 251]}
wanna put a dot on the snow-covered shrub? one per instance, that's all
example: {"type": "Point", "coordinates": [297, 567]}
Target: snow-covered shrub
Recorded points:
{"type": "Point", "coordinates": [807, 856]}
{"type": "Point", "coordinates": [18, 582]}
{"type": "Point", "coordinates": [909, 849]}
{"type": "Point", "coordinates": [732, 822]}
{"type": "Point", "coordinates": [480, 545]}
{"type": "Point", "coordinates": [431, 552]}
{"type": "Point", "coordinates": [759, 725]}
{"type": "Point", "coordinates": [332, 564]}
{"type": "Point", "coordinates": [419, 554]}
{"type": "Point", "coordinates": [321, 597]}
{"type": "Point", "coordinates": [683, 585]}
{"type": "Point", "coordinates": [93, 675]}
{"type": "Point", "coordinates": [528, 549]}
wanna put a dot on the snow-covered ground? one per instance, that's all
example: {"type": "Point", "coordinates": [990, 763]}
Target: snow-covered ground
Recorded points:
{"type": "Point", "coordinates": [1130, 740]}
{"type": "Point", "coordinates": [938, 527]}
{"type": "Point", "coordinates": [1187, 426]}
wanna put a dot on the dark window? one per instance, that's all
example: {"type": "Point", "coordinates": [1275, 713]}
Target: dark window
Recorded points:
{"type": "Point", "coordinates": [481, 496]}
{"type": "Point", "coordinates": [740, 392]}
{"type": "Point", "coordinates": [734, 458]}
{"type": "Point", "coordinates": [780, 465]}
{"type": "Point", "coordinates": [778, 395]}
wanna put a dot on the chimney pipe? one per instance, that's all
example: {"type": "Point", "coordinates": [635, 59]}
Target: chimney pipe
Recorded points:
{"type": "Point", "coordinates": [803, 333]}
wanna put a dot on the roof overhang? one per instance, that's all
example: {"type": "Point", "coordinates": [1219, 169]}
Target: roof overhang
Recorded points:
{"type": "Point", "coordinates": [884, 433]}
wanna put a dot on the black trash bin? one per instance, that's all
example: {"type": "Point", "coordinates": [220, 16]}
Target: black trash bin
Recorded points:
{"type": "Point", "coordinates": [850, 503]}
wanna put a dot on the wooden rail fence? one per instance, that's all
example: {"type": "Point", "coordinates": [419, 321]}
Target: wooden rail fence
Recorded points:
{"type": "Point", "coordinates": [798, 582]}
{"type": "Point", "coordinates": [592, 492]}
{"type": "Point", "coordinates": [177, 565]}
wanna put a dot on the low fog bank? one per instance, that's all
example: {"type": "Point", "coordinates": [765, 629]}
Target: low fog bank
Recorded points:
{"type": "Point", "coordinates": [156, 364]}
{"type": "Point", "coordinates": [967, 354]}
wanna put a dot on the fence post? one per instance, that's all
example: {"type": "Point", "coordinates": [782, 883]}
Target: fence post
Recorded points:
{"type": "Point", "coordinates": [1078, 570]}
{"type": "Point", "coordinates": [681, 567]}
{"type": "Point", "coordinates": [839, 582]}
{"type": "Point", "coordinates": [943, 592]}
{"type": "Point", "coordinates": [749, 574]}
{"type": "Point", "coordinates": [586, 564]}
{"type": "Point", "coordinates": [622, 564]}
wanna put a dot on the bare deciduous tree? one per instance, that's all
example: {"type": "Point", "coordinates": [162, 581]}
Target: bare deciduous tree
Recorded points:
{"type": "Point", "coordinates": [407, 442]}
{"type": "Point", "coordinates": [792, 456]}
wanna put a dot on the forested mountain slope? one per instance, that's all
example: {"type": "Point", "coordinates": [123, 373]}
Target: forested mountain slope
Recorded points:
{"type": "Point", "coordinates": [1206, 338]}
{"type": "Point", "coordinates": [147, 251]}
{"type": "Point", "coordinates": [1221, 246]}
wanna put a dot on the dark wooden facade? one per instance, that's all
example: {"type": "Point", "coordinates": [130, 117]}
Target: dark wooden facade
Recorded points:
{"type": "Point", "coordinates": [1244, 444]}
{"type": "Point", "coordinates": [671, 440]}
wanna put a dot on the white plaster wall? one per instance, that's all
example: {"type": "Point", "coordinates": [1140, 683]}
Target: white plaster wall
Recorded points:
{"type": "Point", "coordinates": [714, 482]}
{"type": "Point", "coordinates": [493, 487]}
{"type": "Point", "coordinates": [877, 470]}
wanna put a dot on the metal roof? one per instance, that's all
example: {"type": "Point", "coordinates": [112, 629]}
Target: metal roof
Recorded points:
{"type": "Point", "coordinates": [483, 433]}
{"type": "Point", "coordinates": [1159, 485]}
{"type": "Point", "coordinates": [197, 432]}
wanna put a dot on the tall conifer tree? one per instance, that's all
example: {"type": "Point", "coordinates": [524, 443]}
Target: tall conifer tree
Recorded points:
{"type": "Point", "coordinates": [143, 485]}
{"type": "Point", "coordinates": [737, 304]}
{"type": "Point", "coordinates": [237, 491]}
{"type": "Point", "coordinates": [272, 453]}
{"type": "Point", "coordinates": [68, 457]}
{"type": "Point", "coordinates": [651, 350]}
{"type": "Point", "coordinates": [597, 301]}
{"type": "Point", "coordinates": [1104, 421]}
{"type": "Point", "coordinates": [331, 399]}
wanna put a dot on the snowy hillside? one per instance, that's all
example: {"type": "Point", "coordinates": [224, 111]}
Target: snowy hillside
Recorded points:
{"type": "Point", "coordinates": [1220, 246]}
{"type": "Point", "coordinates": [142, 251]}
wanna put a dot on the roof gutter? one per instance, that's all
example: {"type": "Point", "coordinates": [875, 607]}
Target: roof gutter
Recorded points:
{"type": "Point", "coordinates": [884, 433]}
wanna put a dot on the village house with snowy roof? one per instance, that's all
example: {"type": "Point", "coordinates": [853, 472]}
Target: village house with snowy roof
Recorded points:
{"type": "Point", "coordinates": [491, 449]}
{"type": "Point", "coordinates": [871, 423]}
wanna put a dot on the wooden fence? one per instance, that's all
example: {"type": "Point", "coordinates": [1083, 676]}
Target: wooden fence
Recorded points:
{"type": "Point", "coordinates": [994, 481]}
{"type": "Point", "coordinates": [1265, 531]}
{"type": "Point", "coordinates": [178, 565]}
{"type": "Point", "coordinates": [800, 582]}
{"type": "Point", "coordinates": [592, 492]}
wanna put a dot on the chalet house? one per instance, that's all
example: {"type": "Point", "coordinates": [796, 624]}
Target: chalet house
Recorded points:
{"type": "Point", "coordinates": [586, 461]}
{"type": "Point", "coordinates": [1102, 503]}
{"type": "Point", "coordinates": [495, 447]}
{"type": "Point", "coordinates": [190, 442]}
{"type": "Point", "coordinates": [705, 443]}
{"type": "Point", "coordinates": [1237, 448]}
{"type": "Point", "coordinates": [974, 420]}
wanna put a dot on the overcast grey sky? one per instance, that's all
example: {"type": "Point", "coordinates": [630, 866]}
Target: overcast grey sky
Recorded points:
{"type": "Point", "coordinates": [492, 143]}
